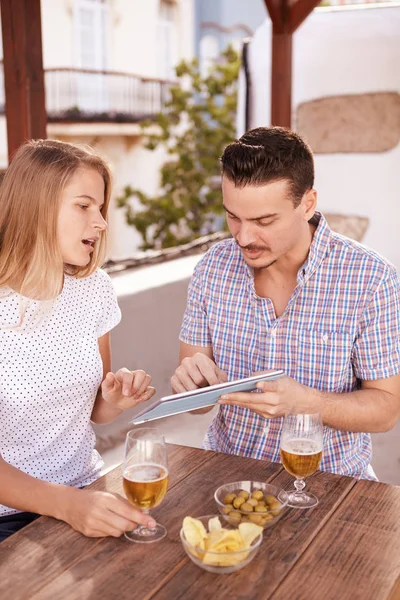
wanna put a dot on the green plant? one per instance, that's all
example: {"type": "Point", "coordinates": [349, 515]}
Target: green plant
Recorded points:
{"type": "Point", "coordinates": [197, 122]}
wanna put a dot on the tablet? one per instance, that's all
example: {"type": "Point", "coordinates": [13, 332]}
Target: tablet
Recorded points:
{"type": "Point", "coordinates": [200, 398]}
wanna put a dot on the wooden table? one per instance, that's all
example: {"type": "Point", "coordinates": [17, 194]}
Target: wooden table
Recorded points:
{"type": "Point", "coordinates": [347, 547]}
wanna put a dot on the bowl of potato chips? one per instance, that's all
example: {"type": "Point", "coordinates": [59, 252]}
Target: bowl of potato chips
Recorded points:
{"type": "Point", "coordinates": [251, 502]}
{"type": "Point", "coordinates": [220, 547]}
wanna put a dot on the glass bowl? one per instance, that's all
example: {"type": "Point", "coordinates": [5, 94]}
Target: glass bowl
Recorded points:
{"type": "Point", "coordinates": [241, 558]}
{"type": "Point", "coordinates": [265, 516]}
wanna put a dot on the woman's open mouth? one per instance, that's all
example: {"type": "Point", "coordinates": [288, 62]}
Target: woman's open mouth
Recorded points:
{"type": "Point", "coordinates": [89, 244]}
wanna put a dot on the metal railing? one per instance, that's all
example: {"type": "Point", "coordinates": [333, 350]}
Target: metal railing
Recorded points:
{"type": "Point", "coordinates": [84, 95]}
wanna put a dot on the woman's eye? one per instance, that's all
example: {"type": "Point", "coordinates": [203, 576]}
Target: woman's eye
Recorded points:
{"type": "Point", "coordinates": [83, 206]}
{"type": "Point", "coordinates": [232, 217]}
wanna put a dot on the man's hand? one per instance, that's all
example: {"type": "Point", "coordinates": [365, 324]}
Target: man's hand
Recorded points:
{"type": "Point", "coordinates": [277, 398]}
{"type": "Point", "coordinates": [100, 514]}
{"type": "Point", "coordinates": [125, 388]}
{"type": "Point", "coordinates": [196, 371]}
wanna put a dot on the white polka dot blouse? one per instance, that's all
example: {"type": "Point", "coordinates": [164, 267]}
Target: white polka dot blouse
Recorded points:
{"type": "Point", "coordinates": [50, 371]}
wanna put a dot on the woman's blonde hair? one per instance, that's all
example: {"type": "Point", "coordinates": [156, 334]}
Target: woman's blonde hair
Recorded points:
{"type": "Point", "coordinates": [30, 194]}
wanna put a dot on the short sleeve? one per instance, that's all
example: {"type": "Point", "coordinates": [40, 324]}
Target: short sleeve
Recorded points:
{"type": "Point", "coordinates": [110, 314]}
{"type": "Point", "coordinates": [194, 330]}
{"type": "Point", "coordinates": [376, 352]}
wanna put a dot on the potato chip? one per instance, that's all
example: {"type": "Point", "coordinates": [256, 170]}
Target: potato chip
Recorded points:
{"type": "Point", "coordinates": [214, 524]}
{"type": "Point", "coordinates": [229, 541]}
{"type": "Point", "coordinates": [249, 532]}
{"type": "Point", "coordinates": [223, 560]}
{"type": "Point", "coordinates": [220, 544]}
{"type": "Point", "coordinates": [195, 532]}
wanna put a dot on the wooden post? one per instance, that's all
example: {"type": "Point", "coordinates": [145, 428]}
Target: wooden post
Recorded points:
{"type": "Point", "coordinates": [281, 84]}
{"type": "Point", "coordinates": [285, 19]}
{"type": "Point", "coordinates": [23, 72]}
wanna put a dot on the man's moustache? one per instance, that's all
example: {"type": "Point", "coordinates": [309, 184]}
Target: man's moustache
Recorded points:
{"type": "Point", "coordinates": [252, 248]}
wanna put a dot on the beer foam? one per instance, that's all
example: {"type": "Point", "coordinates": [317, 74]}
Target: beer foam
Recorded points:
{"type": "Point", "coordinates": [146, 472]}
{"type": "Point", "coordinates": [303, 446]}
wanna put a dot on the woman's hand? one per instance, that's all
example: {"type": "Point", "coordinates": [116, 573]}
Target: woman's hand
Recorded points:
{"type": "Point", "coordinates": [125, 388]}
{"type": "Point", "coordinates": [100, 514]}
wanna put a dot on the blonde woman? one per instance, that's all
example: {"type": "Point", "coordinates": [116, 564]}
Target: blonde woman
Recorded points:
{"type": "Point", "coordinates": [56, 311]}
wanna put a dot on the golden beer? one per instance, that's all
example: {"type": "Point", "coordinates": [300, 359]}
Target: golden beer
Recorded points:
{"type": "Point", "coordinates": [145, 485]}
{"type": "Point", "coordinates": [301, 457]}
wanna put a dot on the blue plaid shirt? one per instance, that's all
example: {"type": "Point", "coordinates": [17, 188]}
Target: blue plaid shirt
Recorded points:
{"type": "Point", "coordinates": [341, 325]}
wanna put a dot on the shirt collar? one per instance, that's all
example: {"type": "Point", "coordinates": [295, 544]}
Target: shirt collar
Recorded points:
{"type": "Point", "coordinates": [319, 248]}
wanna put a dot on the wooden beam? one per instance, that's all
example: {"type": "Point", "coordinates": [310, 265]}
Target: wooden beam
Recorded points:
{"type": "Point", "coordinates": [299, 12]}
{"type": "Point", "coordinates": [285, 18]}
{"type": "Point", "coordinates": [281, 83]}
{"type": "Point", "coordinates": [281, 78]}
{"type": "Point", "coordinates": [274, 8]}
{"type": "Point", "coordinates": [23, 71]}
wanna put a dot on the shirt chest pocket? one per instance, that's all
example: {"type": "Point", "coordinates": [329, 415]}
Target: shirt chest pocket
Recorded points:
{"type": "Point", "coordinates": [322, 358]}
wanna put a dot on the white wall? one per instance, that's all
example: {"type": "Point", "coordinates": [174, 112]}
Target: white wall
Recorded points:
{"type": "Point", "coordinates": [135, 166]}
{"type": "Point", "coordinates": [351, 50]}
{"type": "Point", "coordinates": [57, 33]}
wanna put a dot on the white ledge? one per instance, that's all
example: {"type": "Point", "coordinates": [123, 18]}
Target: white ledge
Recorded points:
{"type": "Point", "coordinates": [133, 281]}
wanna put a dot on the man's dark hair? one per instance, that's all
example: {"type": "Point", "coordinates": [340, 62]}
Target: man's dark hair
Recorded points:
{"type": "Point", "coordinates": [267, 154]}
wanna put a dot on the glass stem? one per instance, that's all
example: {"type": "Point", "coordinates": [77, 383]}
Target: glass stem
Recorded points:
{"type": "Point", "coordinates": [299, 484]}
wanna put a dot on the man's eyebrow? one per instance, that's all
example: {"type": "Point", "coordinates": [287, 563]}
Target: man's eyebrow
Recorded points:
{"type": "Point", "coordinates": [267, 216]}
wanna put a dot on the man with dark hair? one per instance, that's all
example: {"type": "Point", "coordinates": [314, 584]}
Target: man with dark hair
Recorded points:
{"type": "Point", "coordinates": [287, 292]}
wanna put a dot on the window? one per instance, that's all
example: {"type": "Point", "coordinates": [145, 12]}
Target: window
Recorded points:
{"type": "Point", "coordinates": [167, 40]}
{"type": "Point", "coordinates": [90, 24]}
{"type": "Point", "coordinates": [91, 34]}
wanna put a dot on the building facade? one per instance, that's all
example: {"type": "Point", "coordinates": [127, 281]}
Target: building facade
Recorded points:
{"type": "Point", "coordinates": [107, 66]}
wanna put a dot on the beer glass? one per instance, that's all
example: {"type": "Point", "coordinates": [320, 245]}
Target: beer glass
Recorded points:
{"type": "Point", "coordinates": [145, 478]}
{"type": "Point", "coordinates": [301, 453]}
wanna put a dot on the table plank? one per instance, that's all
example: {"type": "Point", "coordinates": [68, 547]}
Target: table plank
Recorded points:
{"type": "Point", "coordinates": [282, 547]}
{"type": "Point", "coordinates": [47, 547]}
{"type": "Point", "coordinates": [116, 568]}
{"type": "Point", "coordinates": [357, 554]}
{"type": "Point", "coordinates": [395, 591]}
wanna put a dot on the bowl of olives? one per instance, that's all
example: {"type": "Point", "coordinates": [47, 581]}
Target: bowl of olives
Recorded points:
{"type": "Point", "coordinates": [252, 501]}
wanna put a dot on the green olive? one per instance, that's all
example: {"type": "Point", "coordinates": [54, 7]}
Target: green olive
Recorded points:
{"type": "Point", "coordinates": [267, 518]}
{"type": "Point", "coordinates": [229, 498]}
{"type": "Point", "coordinates": [260, 508]}
{"type": "Point", "coordinates": [257, 494]}
{"type": "Point", "coordinates": [234, 517]}
{"type": "Point", "coordinates": [238, 501]}
{"type": "Point", "coordinates": [257, 519]}
{"type": "Point", "coordinates": [252, 501]}
{"type": "Point", "coordinates": [270, 499]}
{"type": "Point", "coordinates": [247, 507]}
{"type": "Point", "coordinates": [227, 509]}
{"type": "Point", "coordinates": [243, 494]}
{"type": "Point", "coordinates": [275, 508]}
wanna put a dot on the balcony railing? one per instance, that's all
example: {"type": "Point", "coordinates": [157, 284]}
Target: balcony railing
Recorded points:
{"type": "Point", "coordinates": [86, 95]}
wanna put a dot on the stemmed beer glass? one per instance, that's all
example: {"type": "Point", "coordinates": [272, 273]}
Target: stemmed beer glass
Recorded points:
{"type": "Point", "coordinates": [301, 453]}
{"type": "Point", "coordinates": [145, 478]}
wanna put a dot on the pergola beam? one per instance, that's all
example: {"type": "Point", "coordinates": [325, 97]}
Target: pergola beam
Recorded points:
{"type": "Point", "coordinates": [23, 71]}
{"type": "Point", "coordinates": [285, 18]}
{"type": "Point", "coordinates": [299, 11]}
